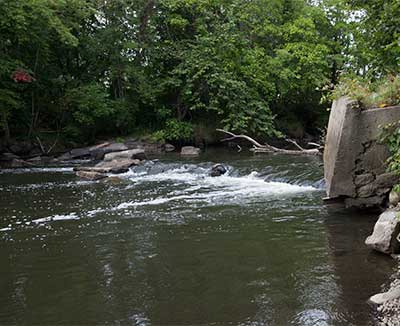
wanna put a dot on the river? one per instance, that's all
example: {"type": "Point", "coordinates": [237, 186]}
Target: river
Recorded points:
{"type": "Point", "coordinates": [169, 245]}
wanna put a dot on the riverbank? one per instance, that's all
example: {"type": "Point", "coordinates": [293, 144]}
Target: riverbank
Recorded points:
{"type": "Point", "coordinates": [24, 154]}
{"type": "Point", "coordinates": [388, 311]}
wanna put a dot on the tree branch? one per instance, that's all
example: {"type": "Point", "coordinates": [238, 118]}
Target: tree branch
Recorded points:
{"type": "Point", "coordinates": [266, 148]}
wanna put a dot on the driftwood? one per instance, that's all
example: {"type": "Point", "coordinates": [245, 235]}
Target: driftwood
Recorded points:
{"type": "Point", "coordinates": [266, 148]}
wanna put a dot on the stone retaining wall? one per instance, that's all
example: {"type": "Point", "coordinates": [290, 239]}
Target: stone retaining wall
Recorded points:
{"type": "Point", "coordinates": [354, 160]}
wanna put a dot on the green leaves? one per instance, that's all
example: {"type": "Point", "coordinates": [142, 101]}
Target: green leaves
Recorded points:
{"type": "Point", "coordinates": [116, 66]}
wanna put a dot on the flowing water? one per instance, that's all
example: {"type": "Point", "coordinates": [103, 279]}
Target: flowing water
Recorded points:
{"type": "Point", "coordinates": [169, 245]}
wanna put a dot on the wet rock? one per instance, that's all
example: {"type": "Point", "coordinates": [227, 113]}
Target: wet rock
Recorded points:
{"type": "Point", "coordinates": [129, 154]}
{"type": "Point", "coordinates": [190, 151]}
{"type": "Point", "coordinates": [217, 170]}
{"type": "Point", "coordinates": [382, 298]}
{"type": "Point", "coordinates": [386, 229]}
{"type": "Point", "coordinates": [91, 175]}
{"type": "Point", "coordinates": [115, 166]}
{"type": "Point", "coordinates": [169, 148]}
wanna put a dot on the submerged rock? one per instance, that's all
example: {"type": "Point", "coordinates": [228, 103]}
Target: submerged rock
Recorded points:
{"type": "Point", "coordinates": [129, 154]}
{"type": "Point", "coordinates": [217, 170]}
{"type": "Point", "coordinates": [386, 229]}
{"type": "Point", "coordinates": [190, 151]}
{"type": "Point", "coordinates": [90, 175]}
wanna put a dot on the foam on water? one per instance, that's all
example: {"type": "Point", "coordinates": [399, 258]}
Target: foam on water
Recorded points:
{"type": "Point", "coordinates": [191, 185]}
{"type": "Point", "coordinates": [37, 170]}
{"type": "Point", "coordinates": [207, 190]}
{"type": "Point", "coordinates": [71, 216]}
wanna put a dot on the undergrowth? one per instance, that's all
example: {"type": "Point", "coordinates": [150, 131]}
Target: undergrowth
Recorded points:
{"type": "Point", "coordinates": [380, 93]}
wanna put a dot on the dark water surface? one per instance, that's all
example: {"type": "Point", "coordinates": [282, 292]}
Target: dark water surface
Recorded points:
{"type": "Point", "coordinates": [171, 246]}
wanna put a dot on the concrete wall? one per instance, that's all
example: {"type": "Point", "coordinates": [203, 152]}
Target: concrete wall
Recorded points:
{"type": "Point", "coordinates": [354, 160]}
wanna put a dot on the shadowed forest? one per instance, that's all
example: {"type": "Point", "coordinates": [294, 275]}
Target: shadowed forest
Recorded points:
{"type": "Point", "coordinates": [175, 70]}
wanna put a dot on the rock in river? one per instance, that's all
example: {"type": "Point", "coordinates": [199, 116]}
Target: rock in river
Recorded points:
{"type": "Point", "coordinates": [90, 175]}
{"type": "Point", "coordinates": [217, 170]}
{"type": "Point", "coordinates": [386, 229]}
{"type": "Point", "coordinates": [190, 151]}
{"type": "Point", "coordinates": [115, 166]}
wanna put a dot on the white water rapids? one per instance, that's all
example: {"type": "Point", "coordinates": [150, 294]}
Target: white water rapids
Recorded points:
{"type": "Point", "coordinates": [176, 186]}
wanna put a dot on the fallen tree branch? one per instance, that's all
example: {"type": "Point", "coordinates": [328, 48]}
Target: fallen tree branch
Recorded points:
{"type": "Point", "coordinates": [266, 148]}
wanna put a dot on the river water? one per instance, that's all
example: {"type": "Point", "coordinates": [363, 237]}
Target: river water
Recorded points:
{"type": "Point", "coordinates": [169, 245]}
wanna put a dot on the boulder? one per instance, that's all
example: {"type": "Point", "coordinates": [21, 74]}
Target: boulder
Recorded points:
{"type": "Point", "coordinates": [75, 154]}
{"type": "Point", "coordinates": [190, 151]}
{"type": "Point", "coordinates": [98, 152]}
{"type": "Point", "coordinates": [80, 152]}
{"type": "Point", "coordinates": [117, 166]}
{"type": "Point", "coordinates": [217, 170]}
{"type": "Point", "coordinates": [381, 298]}
{"type": "Point", "coordinates": [169, 148]}
{"type": "Point", "coordinates": [90, 175]}
{"type": "Point", "coordinates": [129, 154]}
{"type": "Point", "coordinates": [386, 229]}
{"type": "Point", "coordinates": [394, 198]}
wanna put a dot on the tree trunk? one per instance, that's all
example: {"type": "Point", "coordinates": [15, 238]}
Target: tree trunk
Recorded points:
{"type": "Point", "coordinates": [266, 148]}
{"type": "Point", "coordinates": [6, 128]}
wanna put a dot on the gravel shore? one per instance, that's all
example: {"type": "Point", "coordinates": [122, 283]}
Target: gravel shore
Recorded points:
{"type": "Point", "coordinates": [389, 311]}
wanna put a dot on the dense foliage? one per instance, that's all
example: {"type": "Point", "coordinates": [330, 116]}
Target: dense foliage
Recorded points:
{"type": "Point", "coordinates": [88, 68]}
{"type": "Point", "coordinates": [378, 93]}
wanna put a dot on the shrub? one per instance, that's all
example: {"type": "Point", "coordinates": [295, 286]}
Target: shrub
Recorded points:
{"type": "Point", "coordinates": [380, 93]}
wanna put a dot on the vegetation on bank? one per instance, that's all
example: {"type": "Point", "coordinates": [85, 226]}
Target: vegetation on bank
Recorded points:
{"type": "Point", "coordinates": [83, 69]}
{"type": "Point", "coordinates": [380, 93]}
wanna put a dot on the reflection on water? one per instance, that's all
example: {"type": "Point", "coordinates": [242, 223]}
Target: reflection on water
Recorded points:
{"type": "Point", "coordinates": [170, 245]}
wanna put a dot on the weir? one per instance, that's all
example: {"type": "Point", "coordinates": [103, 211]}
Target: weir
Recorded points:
{"type": "Point", "coordinates": [354, 159]}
